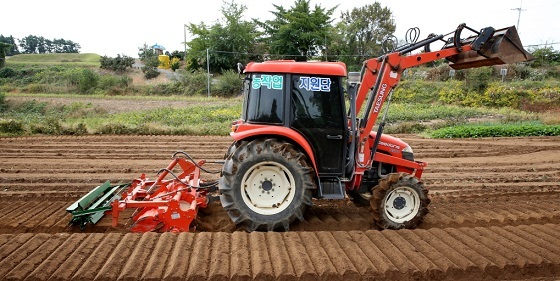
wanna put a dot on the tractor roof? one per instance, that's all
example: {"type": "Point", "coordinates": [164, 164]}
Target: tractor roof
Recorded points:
{"type": "Point", "coordinates": [290, 66]}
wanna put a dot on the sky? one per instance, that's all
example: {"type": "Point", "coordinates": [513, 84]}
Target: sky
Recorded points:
{"type": "Point", "coordinates": [116, 27]}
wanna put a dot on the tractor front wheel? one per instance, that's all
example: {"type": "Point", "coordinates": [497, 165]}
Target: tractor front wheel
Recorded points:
{"type": "Point", "coordinates": [399, 201]}
{"type": "Point", "coordinates": [266, 184]}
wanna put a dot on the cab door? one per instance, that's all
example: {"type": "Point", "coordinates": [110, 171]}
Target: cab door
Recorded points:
{"type": "Point", "coordinates": [318, 113]}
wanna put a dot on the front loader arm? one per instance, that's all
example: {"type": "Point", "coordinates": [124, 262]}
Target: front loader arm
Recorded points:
{"type": "Point", "coordinates": [381, 75]}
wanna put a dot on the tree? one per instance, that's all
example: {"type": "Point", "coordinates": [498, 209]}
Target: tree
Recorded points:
{"type": "Point", "coordinates": [230, 41]}
{"type": "Point", "coordinates": [64, 46]}
{"type": "Point", "coordinates": [4, 47]}
{"type": "Point", "coordinates": [545, 56]}
{"type": "Point", "coordinates": [235, 38]}
{"type": "Point", "coordinates": [13, 50]}
{"type": "Point", "coordinates": [196, 48]}
{"type": "Point", "coordinates": [32, 44]}
{"type": "Point", "coordinates": [298, 33]}
{"type": "Point", "coordinates": [29, 44]}
{"type": "Point", "coordinates": [118, 64]}
{"type": "Point", "coordinates": [362, 32]}
{"type": "Point", "coordinates": [149, 57]}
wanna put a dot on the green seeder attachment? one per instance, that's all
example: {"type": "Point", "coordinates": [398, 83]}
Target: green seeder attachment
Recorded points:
{"type": "Point", "coordinates": [92, 206]}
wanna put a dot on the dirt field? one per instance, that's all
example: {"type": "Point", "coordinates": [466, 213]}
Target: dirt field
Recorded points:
{"type": "Point", "coordinates": [495, 215]}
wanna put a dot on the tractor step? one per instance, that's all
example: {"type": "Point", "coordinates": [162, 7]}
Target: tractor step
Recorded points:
{"type": "Point", "coordinates": [332, 188]}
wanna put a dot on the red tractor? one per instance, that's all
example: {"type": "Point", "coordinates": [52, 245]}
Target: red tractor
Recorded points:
{"type": "Point", "coordinates": [306, 134]}
{"type": "Point", "coordinates": [300, 136]}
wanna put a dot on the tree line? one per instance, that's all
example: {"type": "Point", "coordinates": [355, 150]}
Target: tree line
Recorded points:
{"type": "Point", "coordinates": [301, 32]}
{"type": "Point", "coordinates": [33, 44]}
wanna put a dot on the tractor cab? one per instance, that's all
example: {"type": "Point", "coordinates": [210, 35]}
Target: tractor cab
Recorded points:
{"type": "Point", "coordinates": [306, 98]}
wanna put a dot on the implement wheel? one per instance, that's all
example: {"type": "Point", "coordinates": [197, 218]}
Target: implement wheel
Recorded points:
{"type": "Point", "coordinates": [266, 184]}
{"type": "Point", "coordinates": [399, 201]}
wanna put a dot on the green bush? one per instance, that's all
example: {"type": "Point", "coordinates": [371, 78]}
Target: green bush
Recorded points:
{"type": "Point", "coordinates": [497, 130]}
{"type": "Point", "coordinates": [11, 127]}
{"type": "Point", "coordinates": [150, 67]}
{"type": "Point", "coordinates": [406, 128]}
{"type": "Point", "coordinates": [3, 104]}
{"type": "Point", "coordinates": [193, 83]}
{"type": "Point", "coordinates": [118, 64]}
{"type": "Point", "coordinates": [168, 89]}
{"type": "Point", "coordinates": [229, 84]}
{"type": "Point", "coordinates": [50, 126]}
{"type": "Point", "coordinates": [32, 107]}
{"type": "Point", "coordinates": [36, 88]}
{"type": "Point", "coordinates": [453, 93]}
{"type": "Point", "coordinates": [175, 63]}
{"type": "Point", "coordinates": [412, 91]}
{"type": "Point", "coordinates": [7, 72]}
{"type": "Point", "coordinates": [72, 76]}
{"type": "Point", "coordinates": [115, 129]}
{"type": "Point", "coordinates": [107, 82]}
{"type": "Point", "coordinates": [441, 73]}
{"type": "Point", "coordinates": [477, 79]}
{"type": "Point", "coordinates": [88, 80]}
{"type": "Point", "coordinates": [499, 95]}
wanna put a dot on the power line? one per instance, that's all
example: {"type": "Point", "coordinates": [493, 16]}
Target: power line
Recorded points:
{"type": "Point", "coordinates": [543, 44]}
{"type": "Point", "coordinates": [284, 55]}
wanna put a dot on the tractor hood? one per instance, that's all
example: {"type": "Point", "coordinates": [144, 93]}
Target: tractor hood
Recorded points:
{"type": "Point", "coordinates": [389, 143]}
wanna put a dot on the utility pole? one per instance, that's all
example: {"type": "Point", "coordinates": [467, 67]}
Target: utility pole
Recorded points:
{"type": "Point", "coordinates": [208, 69]}
{"type": "Point", "coordinates": [185, 43]}
{"type": "Point", "coordinates": [519, 10]}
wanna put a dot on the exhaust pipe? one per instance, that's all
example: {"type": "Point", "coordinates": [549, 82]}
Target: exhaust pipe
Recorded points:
{"type": "Point", "coordinates": [503, 47]}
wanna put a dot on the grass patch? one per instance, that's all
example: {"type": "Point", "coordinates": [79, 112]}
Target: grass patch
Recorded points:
{"type": "Point", "coordinates": [497, 130]}
{"type": "Point", "coordinates": [200, 116]}
{"type": "Point", "coordinates": [198, 119]}
{"type": "Point", "coordinates": [72, 59]}
{"type": "Point", "coordinates": [68, 114]}
{"type": "Point", "coordinates": [406, 112]}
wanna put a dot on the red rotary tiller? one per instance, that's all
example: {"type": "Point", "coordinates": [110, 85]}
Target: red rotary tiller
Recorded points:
{"type": "Point", "coordinates": [162, 205]}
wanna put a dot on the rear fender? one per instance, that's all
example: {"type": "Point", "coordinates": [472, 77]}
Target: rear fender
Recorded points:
{"type": "Point", "coordinates": [249, 131]}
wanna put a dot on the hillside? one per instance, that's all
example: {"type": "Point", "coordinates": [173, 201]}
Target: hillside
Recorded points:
{"type": "Point", "coordinates": [87, 59]}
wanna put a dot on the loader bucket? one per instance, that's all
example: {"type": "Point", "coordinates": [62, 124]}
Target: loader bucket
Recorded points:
{"type": "Point", "coordinates": [503, 47]}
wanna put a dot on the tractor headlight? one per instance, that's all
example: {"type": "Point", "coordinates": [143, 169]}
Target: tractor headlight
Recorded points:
{"type": "Point", "coordinates": [407, 153]}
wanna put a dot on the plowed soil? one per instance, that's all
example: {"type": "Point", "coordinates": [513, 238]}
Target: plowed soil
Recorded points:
{"type": "Point", "coordinates": [495, 215]}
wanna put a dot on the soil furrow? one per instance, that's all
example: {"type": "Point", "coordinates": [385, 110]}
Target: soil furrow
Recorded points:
{"type": "Point", "coordinates": [57, 257]}
{"type": "Point", "coordinates": [475, 252]}
{"type": "Point", "coordinates": [180, 257]}
{"type": "Point", "coordinates": [92, 264]}
{"type": "Point", "coordinates": [493, 215]}
{"type": "Point", "coordinates": [66, 270]}
{"type": "Point", "coordinates": [31, 257]}
{"type": "Point", "coordinates": [157, 259]}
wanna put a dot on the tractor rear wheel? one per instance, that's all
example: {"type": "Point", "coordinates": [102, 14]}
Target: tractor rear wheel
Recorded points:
{"type": "Point", "coordinates": [399, 201]}
{"type": "Point", "coordinates": [266, 184]}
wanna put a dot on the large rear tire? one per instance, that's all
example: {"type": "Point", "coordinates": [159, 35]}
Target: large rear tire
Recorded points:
{"type": "Point", "coordinates": [399, 201]}
{"type": "Point", "coordinates": [266, 184]}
